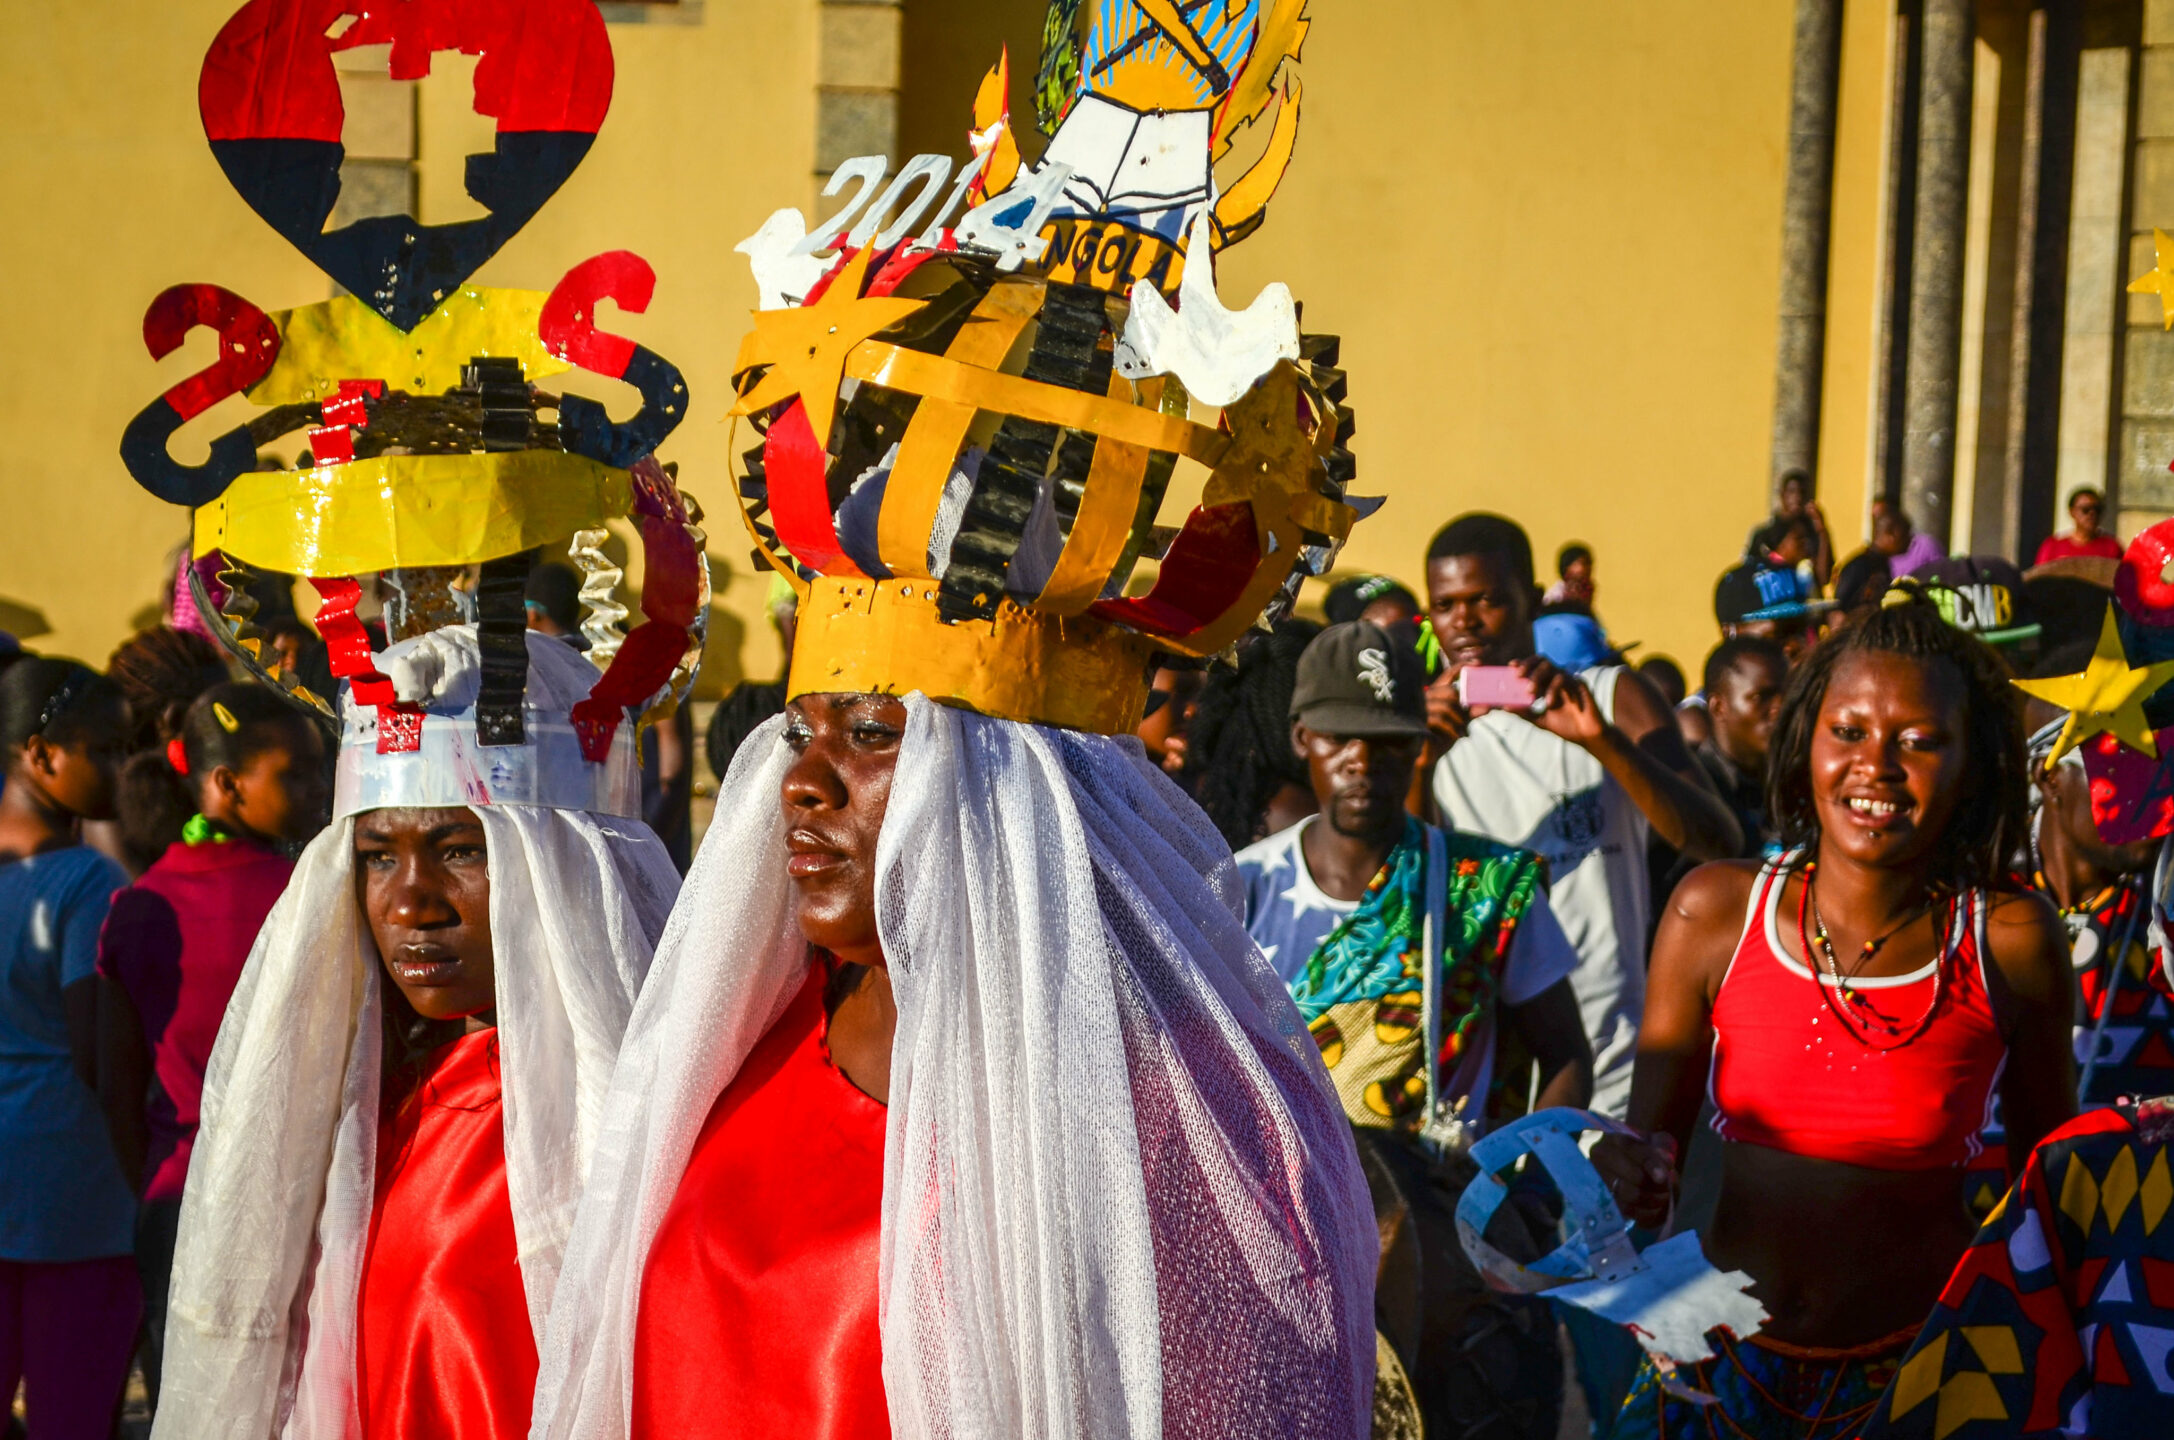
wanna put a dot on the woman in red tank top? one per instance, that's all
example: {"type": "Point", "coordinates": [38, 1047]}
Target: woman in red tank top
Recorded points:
{"type": "Point", "coordinates": [1850, 1012]}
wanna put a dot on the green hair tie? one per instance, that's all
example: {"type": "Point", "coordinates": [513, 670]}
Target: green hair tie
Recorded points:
{"type": "Point", "coordinates": [1430, 650]}
{"type": "Point", "coordinates": [200, 831]}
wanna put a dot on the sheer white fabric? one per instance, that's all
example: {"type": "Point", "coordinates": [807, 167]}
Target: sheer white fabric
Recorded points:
{"type": "Point", "coordinates": [1120, 1198]}
{"type": "Point", "coordinates": [261, 1329]}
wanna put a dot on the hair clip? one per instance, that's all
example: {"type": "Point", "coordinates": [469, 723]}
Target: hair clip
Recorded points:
{"type": "Point", "coordinates": [225, 717]}
{"type": "Point", "coordinates": [177, 755]}
{"type": "Point", "coordinates": [63, 696]}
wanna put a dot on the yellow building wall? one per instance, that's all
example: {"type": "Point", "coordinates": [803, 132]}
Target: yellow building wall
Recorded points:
{"type": "Point", "coordinates": [1549, 235]}
{"type": "Point", "coordinates": [115, 196]}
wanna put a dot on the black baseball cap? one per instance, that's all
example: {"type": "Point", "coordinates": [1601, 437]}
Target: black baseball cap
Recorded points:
{"type": "Point", "coordinates": [1757, 591]}
{"type": "Point", "coordinates": [1348, 599]}
{"type": "Point", "coordinates": [1358, 679]}
{"type": "Point", "coordinates": [1980, 594]}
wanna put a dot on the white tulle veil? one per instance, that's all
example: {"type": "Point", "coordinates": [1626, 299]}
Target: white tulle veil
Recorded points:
{"type": "Point", "coordinates": [261, 1327]}
{"type": "Point", "coordinates": [1119, 1196]}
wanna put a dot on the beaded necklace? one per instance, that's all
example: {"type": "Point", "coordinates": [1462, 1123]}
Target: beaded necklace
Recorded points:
{"type": "Point", "coordinates": [1859, 1020]}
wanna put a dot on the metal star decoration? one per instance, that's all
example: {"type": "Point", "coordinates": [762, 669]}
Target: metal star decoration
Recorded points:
{"type": "Point", "coordinates": [2107, 698]}
{"type": "Point", "coordinates": [2159, 280]}
{"type": "Point", "coordinates": [806, 346]}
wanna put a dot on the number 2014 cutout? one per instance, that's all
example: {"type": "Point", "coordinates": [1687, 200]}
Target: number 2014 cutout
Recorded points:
{"type": "Point", "coordinates": [1009, 224]}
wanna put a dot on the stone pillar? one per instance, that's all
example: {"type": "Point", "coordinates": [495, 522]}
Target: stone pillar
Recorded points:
{"type": "Point", "coordinates": [1900, 224]}
{"type": "Point", "coordinates": [856, 94]}
{"type": "Point", "coordinates": [2098, 256]}
{"type": "Point", "coordinates": [2041, 291]}
{"type": "Point", "coordinates": [380, 144]}
{"type": "Point", "coordinates": [1936, 267]}
{"type": "Point", "coordinates": [1800, 361]}
{"type": "Point", "coordinates": [2142, 489]}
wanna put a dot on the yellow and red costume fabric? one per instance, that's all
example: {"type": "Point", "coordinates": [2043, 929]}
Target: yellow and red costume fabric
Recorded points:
{"type": "Point", "coordinates": [2060, 1318]}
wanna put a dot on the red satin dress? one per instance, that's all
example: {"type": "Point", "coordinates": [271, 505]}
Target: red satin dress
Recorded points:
{"type": "Point", "coordinates": [446, 1348]}
{"type": "Point", "coordinates": [758, 1307]}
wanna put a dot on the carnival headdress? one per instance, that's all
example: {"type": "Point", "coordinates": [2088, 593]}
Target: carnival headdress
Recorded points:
{"type": "Point", "coordinates": [433, 455]}
{"type": "Point", "coordinates": [968, 429]}
{"type": "Point", "coordinates": [2119, 710]}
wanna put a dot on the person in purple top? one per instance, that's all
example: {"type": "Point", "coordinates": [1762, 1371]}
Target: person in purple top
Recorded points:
{"type": "Point", "coordinates": [1906, 547]}
{"type": "Point", "coordinates": [253, 772]}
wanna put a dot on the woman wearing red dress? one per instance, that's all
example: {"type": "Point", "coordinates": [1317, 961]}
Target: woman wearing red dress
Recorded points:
{"type": "Point", "coordinates": [398, 1108]}
{"type": "Point", "coordinates": [959, 1103]}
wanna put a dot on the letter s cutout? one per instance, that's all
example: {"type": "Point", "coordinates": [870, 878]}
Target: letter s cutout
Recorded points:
{"type": "Point", "coordinates": [248, 344]}
{"type": "Point", "coordinates": [567, 327]}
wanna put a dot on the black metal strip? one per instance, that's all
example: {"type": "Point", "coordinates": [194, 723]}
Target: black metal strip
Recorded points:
{"type": "Point", "coordinates": [502, 642]}
{"type": "Point", "coordinates": [502, 388]}
{"type": "Point", "coordinates": [1067, 351]}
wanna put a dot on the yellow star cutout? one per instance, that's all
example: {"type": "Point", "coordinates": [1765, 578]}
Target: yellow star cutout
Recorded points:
{"type": "Point", "coordinates": [806, 346]}
{"type": "Point", "coordinates": [2159, 280]}
{"type": "Point", "coordinates": [2107, 698]}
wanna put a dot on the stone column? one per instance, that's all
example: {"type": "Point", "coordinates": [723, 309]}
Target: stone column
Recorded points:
{"type": "Point", "coordinates": [1936, 267]}
{"type": "Point", "coordinates": [2041, 292]}
{"type": "Point", "coordinates": [1900, 226]}
{"type": "Point", "coordinates": [2143, 488]}
{"type": "Point", "coordinates": [856, 95]}
{"type": "Point", "coordinates": [1800, 361]}
{"type": "Point", "coordinates": [381, 143]}
{"type": "Point", "coordinates": [2098, 256]}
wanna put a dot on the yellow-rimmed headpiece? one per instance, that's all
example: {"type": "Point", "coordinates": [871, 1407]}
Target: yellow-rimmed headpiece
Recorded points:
{"type": "Point", "coordinates": [967, 436]}
{"type": "Point", "coordinates": [434, 459]}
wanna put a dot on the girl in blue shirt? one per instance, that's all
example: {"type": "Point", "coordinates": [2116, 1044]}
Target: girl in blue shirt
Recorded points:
{"type": "Point", "coordinates": [69, 1296]}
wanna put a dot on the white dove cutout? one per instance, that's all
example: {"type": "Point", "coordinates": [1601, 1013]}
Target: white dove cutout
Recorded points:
{"type": "Point", "coordinates": [783, 277]}
{"type": "Point", "coordinates": [1216, 353]}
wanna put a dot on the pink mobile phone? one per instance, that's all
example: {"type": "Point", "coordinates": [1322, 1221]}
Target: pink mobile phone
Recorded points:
{"type": "Point", "coordinates": [1499, 687]}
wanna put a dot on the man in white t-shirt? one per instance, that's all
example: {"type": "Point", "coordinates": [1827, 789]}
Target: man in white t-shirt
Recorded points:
{"type": "Point", "coordinates": [1353, 907]}
{"type": "Point", "coordinates": [1338, 903]}
{"type": "Point", "coordinates": [1580, 777]}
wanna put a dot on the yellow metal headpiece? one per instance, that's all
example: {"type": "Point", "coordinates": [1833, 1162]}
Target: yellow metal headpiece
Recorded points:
{"type": "Point", "coordinates": [968, 436]}
{"type": "Point", "coordinates": [988, 480]}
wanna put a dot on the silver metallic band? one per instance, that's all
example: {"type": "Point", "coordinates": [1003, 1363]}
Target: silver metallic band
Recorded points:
{"type": "Point", "coordinates": [451, 769]}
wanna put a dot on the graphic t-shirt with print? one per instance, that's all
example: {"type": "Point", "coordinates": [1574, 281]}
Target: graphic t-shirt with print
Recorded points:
{"type": "Point", "coordinates": [1373, 1045]}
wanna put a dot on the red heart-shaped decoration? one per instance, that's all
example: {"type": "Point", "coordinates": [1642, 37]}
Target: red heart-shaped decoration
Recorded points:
{"type": "Point", "coordinates": [270, 99]}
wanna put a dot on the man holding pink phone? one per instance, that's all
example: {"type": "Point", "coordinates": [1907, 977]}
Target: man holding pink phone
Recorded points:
{"type": "Point", "coordinates": [1576, 767]}
{"type": "Point", "coordinates": [1495, 687]}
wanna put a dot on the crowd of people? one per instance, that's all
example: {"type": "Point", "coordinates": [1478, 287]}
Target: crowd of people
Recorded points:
{"type": "Point", "coordinates": [1831, 933]}
{"type": "Point", "coordinates": [1134, 982]}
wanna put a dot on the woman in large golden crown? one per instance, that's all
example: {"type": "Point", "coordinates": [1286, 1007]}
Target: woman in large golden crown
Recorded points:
{"type": "Point", "coordinates": [959, 1102]}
